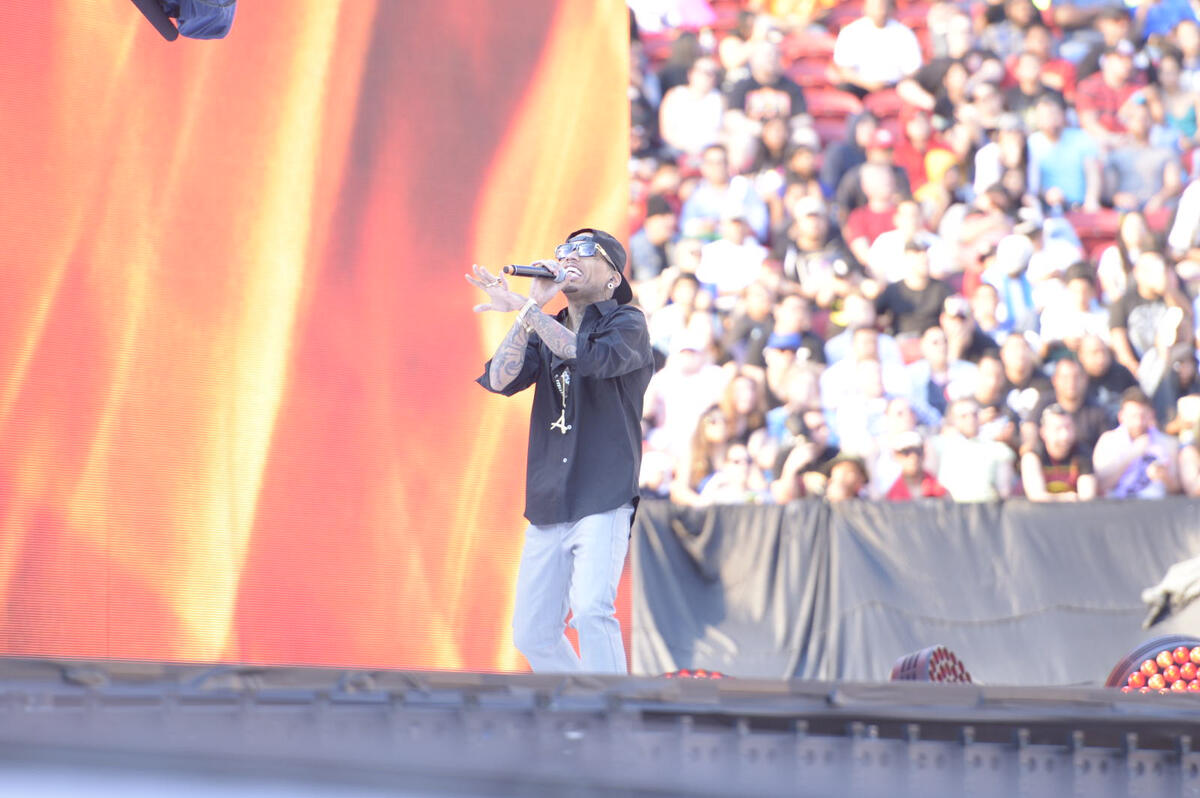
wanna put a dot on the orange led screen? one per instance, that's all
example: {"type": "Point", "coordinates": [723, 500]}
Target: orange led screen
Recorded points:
{"type": "Point", "coordinates": [237, 418]}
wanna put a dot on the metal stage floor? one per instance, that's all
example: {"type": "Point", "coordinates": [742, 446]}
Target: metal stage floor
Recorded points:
{"type": "Point", "coordinates": [220, 731]}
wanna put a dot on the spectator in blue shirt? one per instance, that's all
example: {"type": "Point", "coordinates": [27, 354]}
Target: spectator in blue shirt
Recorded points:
{"type": "Point", "coordinates": [1159, 17]}
{"type": "Point", "coordinates": [1064, 162]}
{"type": "Point", "coordinates": [718, 195]}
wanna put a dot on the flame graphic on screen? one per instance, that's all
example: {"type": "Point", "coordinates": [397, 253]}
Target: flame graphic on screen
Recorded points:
{"type": "Point", "coordinates": [236, 352]}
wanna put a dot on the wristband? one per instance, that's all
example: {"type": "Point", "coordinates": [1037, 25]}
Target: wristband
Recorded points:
{"type": "Point", "coordinates": [523, 312]}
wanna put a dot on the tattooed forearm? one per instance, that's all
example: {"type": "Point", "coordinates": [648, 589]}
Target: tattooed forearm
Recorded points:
{"type": "Point", "coordinates": [509, 358]}
{"type": "Point", "coordinates": [560, 340]}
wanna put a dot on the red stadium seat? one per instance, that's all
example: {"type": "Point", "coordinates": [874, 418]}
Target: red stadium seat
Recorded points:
{"type": "Point", "coordinates": [829, 109]}
{"type": "Point", "coordinates": [809, 74]}
{"type": "Point", "coordinates": [1094, 229]}
{"type": "Point", "coordinates": [1094, 223]}
{"type": "Point", "coordinates": [925, 40]}
{"type": "Point", "coordinates": [657, 47]}
{"type": "Point", "coordinates": [843, 14]}
{"type": "Point", "coordinates": [832, 102]}
{"type": "Point", "coordinates": [727, 17]}
{"type": "Point", "coordinates": [914, 15]}
{"type": "Point", "coordinates": [1159, 219]}
{"type": "Point", "coordinates": [808, 45]}
{"type": "Point", "coordinates": [885, 104]}
{"type": "Point", "coordinates": [829, 128]}
{"type": "Point", "coordinates": [1096, 248]}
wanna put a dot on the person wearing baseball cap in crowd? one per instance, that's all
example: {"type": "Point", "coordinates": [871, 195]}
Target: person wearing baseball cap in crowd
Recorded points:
{"type": "Point", "coordinates": [648, 246]}
{"type": "Point", "coordinates": [846, 478]}
{"type": "Point", "coordinates": [963, 336]}
{"type": "Point", "coordinates": [881, 149]}
{"type": "Point", "coordinates": [914, 481]}
{"type": "Point", "coordinates": [589, 365]}
{"type": "Point", "coordinates": [791, 323]}
{"type": "Point", "coordinates": [1099, 98]}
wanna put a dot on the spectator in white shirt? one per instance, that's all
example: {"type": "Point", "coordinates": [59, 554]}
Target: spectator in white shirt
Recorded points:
{"type": "Point", "coordinates": [1076, 314]}
{"type": "Point", "coordinates": [680, 393]}
{"type": "Point", "coordinates": [858, 311]}
{"type": "Point", "coordinates": [689, 118]}
{"type": "Point", "coordinates": [1135, 460]}
{"type": "Point", "coordinates": [733, 261]}
{"type": "Point", "coordinates": [971, 468]}
{"type": "Point", "coordinates": [1184, 238]}
{"type": "Point", "coordinates": [874, 52]}
{"type": "Point", "coordinates": [841, 380]}
{"type": "Point", "coordinates": [885, 258]}
{"type": "Point", "coordinates": [860, 416]}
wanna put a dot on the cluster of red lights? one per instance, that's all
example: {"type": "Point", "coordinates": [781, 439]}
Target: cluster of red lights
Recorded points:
{"type": "Point", "coordinates": [944, 666]}
{"type": "Point", "coordinates": [1170, 671]}
{"type": "Point", "coordinates": [932, 664]}
{"type": "Point", "coordinates": [698, 673]}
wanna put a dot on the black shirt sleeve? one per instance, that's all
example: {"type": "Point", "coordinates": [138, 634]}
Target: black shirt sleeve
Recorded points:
{"type": "Point", "coordinates": [930, 75]}
{"type": "Point", "coordinates": [736, 98]}
{"type": "Point", "coordinates": [849, 194]}
{"type": "Point", "coordinates": [799, 106]}
{"type": "Point", "coordinates": [1118, 314]}
{"type": "Point", "coordinates": [944, 292]}
{"type": "Point", "coordinates": [883, 300]}
{"type": "Point", "coordinates": [903, 186]}
{"type": "Point", "coordinates": [619, 344]}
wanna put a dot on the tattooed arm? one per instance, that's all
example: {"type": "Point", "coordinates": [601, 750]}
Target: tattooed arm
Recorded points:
{"type": "Point", "coordinates": [554, 335]}
{"type": "Point", "coordinates": [511, 368]}
{"type": "Point", "coordinates": [509, 358]}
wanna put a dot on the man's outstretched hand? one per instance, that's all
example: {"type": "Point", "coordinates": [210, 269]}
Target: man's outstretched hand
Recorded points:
{"type": "Point", "coordinates": [496, 287]}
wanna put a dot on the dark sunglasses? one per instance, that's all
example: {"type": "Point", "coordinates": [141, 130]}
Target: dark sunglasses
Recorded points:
{"type": "Point", "coordinates": [908, 452]}
{"type": "Point", "coordinates": [586, 249]}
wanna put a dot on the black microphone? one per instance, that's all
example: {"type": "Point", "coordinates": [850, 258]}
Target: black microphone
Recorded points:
{"type": "Point", "coordinates": [534, 271]}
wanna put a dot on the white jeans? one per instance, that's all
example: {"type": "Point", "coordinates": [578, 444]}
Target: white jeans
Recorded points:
{"type": "Point", "coordinates": [575, 566]}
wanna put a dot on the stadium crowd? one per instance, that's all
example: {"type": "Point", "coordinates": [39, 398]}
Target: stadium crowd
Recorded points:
{"type": "Point", "coordinates": [933, 249]}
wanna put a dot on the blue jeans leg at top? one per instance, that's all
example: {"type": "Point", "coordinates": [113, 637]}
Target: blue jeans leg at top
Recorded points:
{"type": "Point", "coordinates": [202, 19]}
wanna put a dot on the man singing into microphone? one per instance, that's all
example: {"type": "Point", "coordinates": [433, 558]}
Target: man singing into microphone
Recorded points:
{"type": "Point", "coordinates": [590, 365]}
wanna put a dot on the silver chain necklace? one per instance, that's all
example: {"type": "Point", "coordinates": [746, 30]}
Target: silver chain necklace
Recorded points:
{"type": "Point", "coordinates": [562, 381]}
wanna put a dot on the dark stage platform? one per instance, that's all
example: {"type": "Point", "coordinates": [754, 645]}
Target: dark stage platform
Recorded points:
{"type": "Point", "coordinates": [306, 731]}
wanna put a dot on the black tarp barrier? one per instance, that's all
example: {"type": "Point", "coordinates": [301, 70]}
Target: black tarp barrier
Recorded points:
{"type": "Point", "coordinates": [1024, 593]}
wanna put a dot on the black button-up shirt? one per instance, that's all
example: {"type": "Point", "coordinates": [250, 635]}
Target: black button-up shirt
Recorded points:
{"type": "Point", "coordinates": [593, 467]}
